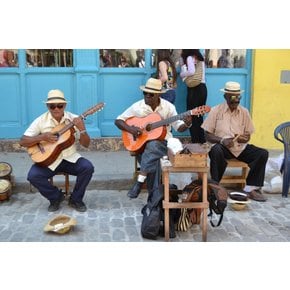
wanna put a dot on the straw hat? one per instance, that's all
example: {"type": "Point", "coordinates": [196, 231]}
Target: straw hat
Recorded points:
{"type": "Point", "coordinates": [55, 97]}
{"type": "Point", "coordinates": [60, 224]}
{"type": "Point", "coordinates": [153, 86]}
{"type": "Point", "coordinates": [232, 88]}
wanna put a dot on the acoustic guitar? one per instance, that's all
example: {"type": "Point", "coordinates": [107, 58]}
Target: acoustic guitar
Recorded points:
{"type": "Point", "coordinates": [154, 128]}
{"type": "Point", "coordinates": [45, 153]}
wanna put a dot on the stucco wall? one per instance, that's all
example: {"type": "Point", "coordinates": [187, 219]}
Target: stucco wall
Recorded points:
{"type": "Point", "coordinates": [270, 99]}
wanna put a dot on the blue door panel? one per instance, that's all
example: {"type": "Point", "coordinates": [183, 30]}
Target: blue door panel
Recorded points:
{"type": "Point", "coordinates": [9, 100]}
{"type": "Point", "coordinates": [118, 91]}
{"type": "Point", "coordinates": [23, 91]}
{"type": "Point", "coordinates": [37, 87]}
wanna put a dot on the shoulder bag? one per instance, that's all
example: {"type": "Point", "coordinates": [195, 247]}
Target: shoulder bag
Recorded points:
{"type": "Point", "coordinates": [195, 79]}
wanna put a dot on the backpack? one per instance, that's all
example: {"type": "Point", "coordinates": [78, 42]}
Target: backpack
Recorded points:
{"type": "Point", "coordinates": [216, 195]}
{"type": "Point", "coordinates": [153, 215]}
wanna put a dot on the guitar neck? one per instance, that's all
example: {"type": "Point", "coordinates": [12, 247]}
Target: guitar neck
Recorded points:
{"type": "Point", "coordinates": [170, 120]}
{"type": "Point", "coordinates": [67, 127]}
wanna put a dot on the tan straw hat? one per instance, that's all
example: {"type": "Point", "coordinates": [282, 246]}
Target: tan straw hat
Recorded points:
{"type": "Point", "coordinates": [60, 224]}
{"type": "Point", "coordinates": [55, 97]}
{"type": "Point", "coordinates": [153, 86]}
{"type": "Point", "coordinates": [232, 88]}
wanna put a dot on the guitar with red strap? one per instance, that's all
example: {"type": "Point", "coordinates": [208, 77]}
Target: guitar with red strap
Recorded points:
{"type": "Point", "coordinates": [45, 153]}
{"type": "Point", "coordinates": [154, 127]}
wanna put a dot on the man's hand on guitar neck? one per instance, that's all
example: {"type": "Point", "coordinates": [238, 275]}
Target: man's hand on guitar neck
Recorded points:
{"type": "Point", "coordinates": [79, 123]}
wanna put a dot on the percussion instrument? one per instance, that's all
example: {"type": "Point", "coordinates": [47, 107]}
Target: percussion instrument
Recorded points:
{"type": "Point", "coordinates": [5, 189]}
{"type": "Point", "coordinates": [5, 170]}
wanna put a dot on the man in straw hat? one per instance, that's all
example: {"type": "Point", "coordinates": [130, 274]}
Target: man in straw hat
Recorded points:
{"type": "Point", "coordinates": [153, 150]}
{"type": "Point", "coordinates": [68, 161]}
{"type": "Point", "coordinates": [229, 127]}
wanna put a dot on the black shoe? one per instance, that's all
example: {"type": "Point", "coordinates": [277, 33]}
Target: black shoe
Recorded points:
{"type": "Point", "coordinates": [54, 204]}
{"type": "Point", "coordinates": [135, 190]}
{"type": "Point", "coordinates": [78, 205]}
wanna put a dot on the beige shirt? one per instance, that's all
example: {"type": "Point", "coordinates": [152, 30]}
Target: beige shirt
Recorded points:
{"type": "Point", "coordinates": [226, 124]}
{"type": "Point", "coordinates": [45, 123]}
{"type": "Point", "coordinates": [165, 110]}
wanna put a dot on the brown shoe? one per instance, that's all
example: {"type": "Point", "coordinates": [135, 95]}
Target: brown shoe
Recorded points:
{"type": "Point", "coordinates": [256, 195]}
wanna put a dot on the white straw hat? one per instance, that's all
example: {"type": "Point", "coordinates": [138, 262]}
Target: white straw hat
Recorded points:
{"type": "Point", "coordinates": [232, 88]}
{"type": "Point", "coordinates": [56, 97]}
{"type": "Point", "coordinates": [153, 86]}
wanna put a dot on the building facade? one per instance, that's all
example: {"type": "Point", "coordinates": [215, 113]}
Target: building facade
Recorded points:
{"type": "Point", "coordinates": [113, 76]}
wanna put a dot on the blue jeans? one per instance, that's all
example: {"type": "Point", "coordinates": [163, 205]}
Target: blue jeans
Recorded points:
{"type": "Point", "coordinates": [150, 163]}
{"type": "Point", "coordinates": [39, 176]}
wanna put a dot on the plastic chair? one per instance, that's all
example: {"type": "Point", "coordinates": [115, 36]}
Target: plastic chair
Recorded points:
{"type": "Point", "coordinates": [282, 134]}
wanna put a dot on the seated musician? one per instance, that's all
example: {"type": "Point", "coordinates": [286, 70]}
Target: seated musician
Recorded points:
{"type": "Point", "coordinates": [68, 161]}
{"type": "Point", "coordinates": [229, 127]}
{"type": "Point", "coordinates": [153, 149]}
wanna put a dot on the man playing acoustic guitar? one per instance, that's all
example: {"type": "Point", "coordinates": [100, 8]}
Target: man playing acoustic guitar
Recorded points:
{"type": "Point", "coordinates": [149, 143]}
{"type": "Point", "coordinates": [42, 140]}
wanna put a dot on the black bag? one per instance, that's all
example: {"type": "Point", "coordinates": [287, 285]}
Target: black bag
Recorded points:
{"type": "Point", "coordinates": [151, 221]}
{"type": "Point", "coordinates": [151, 211]}
{"type": "Point", "coordinates": [153, 215]}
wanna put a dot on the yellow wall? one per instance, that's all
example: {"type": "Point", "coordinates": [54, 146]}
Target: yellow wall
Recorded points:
{"type": "Point", "coordinates": [270, 99]}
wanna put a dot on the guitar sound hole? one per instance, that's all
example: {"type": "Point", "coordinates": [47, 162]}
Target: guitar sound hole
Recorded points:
{"type": "Point", "coordinates": [148, 127]}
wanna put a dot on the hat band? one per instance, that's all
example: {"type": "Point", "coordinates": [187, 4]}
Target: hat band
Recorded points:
{"type": "Point", "coordinates": [153, 89]}
{"type": "Point", "coordinates": [232, 90]}
{"type": "Point", "coordinates": [55, 98]}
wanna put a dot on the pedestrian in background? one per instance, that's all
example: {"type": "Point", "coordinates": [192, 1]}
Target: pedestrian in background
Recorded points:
{"type": "Point", "coordinates": [196, 96]}
{"type": "Point", "coordinates": [166, 72]}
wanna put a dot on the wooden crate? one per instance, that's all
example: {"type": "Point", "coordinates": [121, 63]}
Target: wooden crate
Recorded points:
{"type": "Point", "coordinates": [197, 157]}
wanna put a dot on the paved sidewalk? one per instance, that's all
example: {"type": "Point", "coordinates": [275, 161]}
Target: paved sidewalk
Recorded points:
{"type": "Point", "coordinates": [113, 217]}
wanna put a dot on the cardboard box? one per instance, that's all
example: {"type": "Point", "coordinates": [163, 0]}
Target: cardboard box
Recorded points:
{"type": "Point", "coordinates": [196, 158]}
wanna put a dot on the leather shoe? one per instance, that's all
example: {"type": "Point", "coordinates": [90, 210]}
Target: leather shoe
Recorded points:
{"type": "Point", "coordinates": [54, 204]}
{"type": "Point", "coordinates": [256, 195]}
{"type": "Point", "coordinates": [77, 205]}
{"type": "Point", "coordinates": [135, 190]}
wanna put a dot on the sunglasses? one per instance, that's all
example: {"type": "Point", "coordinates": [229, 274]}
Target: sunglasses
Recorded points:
{"type": "Point", "coordinates": [149, 94]}
{"type": "Point", "coordinates": [53, 106]}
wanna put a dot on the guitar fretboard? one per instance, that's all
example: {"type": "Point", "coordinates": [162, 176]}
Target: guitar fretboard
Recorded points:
{"type": "Point", "coordinates": [170, 120]}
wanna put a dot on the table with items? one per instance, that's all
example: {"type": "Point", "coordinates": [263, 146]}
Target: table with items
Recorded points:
{"type": "Point", "coordinates": [195, 162]}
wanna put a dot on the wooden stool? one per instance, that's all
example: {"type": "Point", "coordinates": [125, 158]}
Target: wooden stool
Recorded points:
{"type": "Point", "coordinates": [236, 179]}
{"type": "Point", "coordinates": [66, 182]}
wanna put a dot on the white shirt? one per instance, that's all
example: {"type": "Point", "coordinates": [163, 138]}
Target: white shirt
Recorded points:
{"type": "Point", "coordinates": [165, 110]}
{"type": "Point", "coordinates": [45, 123]}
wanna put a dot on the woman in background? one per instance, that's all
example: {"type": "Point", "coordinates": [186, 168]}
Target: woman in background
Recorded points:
{"type": "Point", "coordinates": [196, 96]}
{"type": "Point", "coordinates": [166, 72]}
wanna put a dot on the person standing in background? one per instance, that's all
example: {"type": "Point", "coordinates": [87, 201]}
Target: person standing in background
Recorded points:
{"type": "Point", "coordinates": [196, 96]}
{"type": "Point", "coordinates": [166, 72]}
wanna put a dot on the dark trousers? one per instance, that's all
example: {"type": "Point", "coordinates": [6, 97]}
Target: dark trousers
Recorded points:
{"type": "Point", "coordinates": [196, 97]}
{"type": "Point", "coordinates": [255, 157]}
{"type": "Point", "coordinates": [39, 176]}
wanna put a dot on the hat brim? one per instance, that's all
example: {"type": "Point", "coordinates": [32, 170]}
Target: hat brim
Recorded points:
{"type": "Point", "coordinates": [230, 200]}
{"type": "Point", "coordinates": [56, 102]}
{"type": "Point", "coordinates": [144, 89]}
{"type": "Point", "coordinates": [232, 92]}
